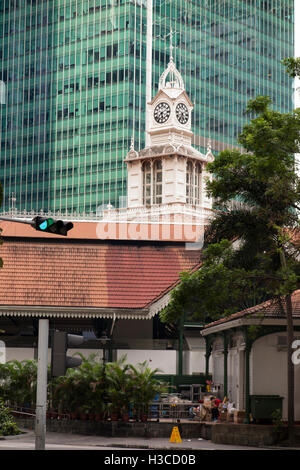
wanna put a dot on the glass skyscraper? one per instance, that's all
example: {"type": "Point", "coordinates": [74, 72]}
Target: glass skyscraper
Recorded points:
{"type": "Point", "coordinates": [78, 74]}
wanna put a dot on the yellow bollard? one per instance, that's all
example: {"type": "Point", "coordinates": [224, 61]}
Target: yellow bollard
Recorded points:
{"type": "Point", "coordinates": [175, 436]}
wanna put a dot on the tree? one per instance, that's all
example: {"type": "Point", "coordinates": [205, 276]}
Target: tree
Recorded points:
{"type": "Point", "coordinates": [292, 66]}
{"type": "Point", "coordinates": [266, 179]}
{"type": "Point", "coordinates": [1, 199]}
{"type": "Point", "coordinates": [257, 193]}
{"type": "Point", "coordinates": [196, 297]}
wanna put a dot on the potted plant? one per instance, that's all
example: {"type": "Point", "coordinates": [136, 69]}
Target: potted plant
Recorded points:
{"type": "Point", "coordinates": [100, 408]}
{"type": "Point", "coordinates": [145, 388]}
{"type": "Point", "coordinates": [119, 388]}
{"type": "Point", "coordinates": [18, 383]}
{"type": "Point", "coordinates": [113, 412]}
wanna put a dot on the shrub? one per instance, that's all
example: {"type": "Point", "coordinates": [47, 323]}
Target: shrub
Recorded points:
{"type": "Point", "coordinates": [8, 426]}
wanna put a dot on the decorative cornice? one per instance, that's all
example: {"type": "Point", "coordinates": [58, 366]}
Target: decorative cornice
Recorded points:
{"type": "Point", "coordinates": [73, 312]}
{"type": "Point", "coordinates": [168, 149]}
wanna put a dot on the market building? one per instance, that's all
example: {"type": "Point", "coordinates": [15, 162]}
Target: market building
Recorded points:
{"type": "Point", "coordinates": [89, 286]}
{"type": "Point", "coordinates": [248, 354]}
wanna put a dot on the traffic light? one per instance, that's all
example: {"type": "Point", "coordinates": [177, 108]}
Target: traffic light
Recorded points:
{"type": "Point", "coordinates": [47, 224]}
{"type": "Point", "coordinates": [60, 362]}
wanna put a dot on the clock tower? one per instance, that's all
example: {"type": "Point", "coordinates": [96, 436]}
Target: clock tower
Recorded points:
{"type": "Point", "coordinates": [170, 110]}
{"type": "Point", "coordinates": [169, 174]}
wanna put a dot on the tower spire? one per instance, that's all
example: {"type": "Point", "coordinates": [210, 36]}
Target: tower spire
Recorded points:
{"type": "Point", "coordinates": [171, 45]}
{"type": "Point", "coordinates": [171, 72]}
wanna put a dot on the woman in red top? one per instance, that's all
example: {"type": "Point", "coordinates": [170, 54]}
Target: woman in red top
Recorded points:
{"type": "Point", "coordinates": [215, 408]}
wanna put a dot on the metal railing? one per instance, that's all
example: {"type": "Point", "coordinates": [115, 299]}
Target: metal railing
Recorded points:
{"type": "Point", "coordinates": [173, 411]}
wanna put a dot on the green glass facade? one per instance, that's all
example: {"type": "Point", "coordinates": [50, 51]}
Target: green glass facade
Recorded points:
{"type": "Point", "coordinates": [75, 77]}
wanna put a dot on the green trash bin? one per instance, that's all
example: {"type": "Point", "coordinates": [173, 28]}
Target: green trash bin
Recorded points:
{"type": "Point", "coordinates": [262, 406]}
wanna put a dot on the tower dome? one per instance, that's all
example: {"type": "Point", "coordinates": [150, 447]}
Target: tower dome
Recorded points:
{"type": "Point", "coordinates": [173, 76]}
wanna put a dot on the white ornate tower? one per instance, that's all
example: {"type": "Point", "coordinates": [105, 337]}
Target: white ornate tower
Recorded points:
{"type": "Point", "coordinates": [169, 172]}
{"type": "Point", "coordinates": [170, 110]}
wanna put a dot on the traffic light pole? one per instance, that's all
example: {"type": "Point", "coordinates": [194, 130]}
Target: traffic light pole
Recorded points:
{"type": "Point", "coordinates": [44, 224]}
{"type": "Point", "coordinates": [41, 395]}
{"type": "Point", "coordinates": [19, 221]}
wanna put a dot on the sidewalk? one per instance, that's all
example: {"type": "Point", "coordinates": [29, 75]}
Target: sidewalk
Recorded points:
{"type": "Point", "coordinates": [74, 441]}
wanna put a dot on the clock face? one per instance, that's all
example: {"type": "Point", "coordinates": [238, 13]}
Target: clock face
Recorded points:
{"type": "Point", "coordinates": [162, 113]}
{"type": "Point", "coordinates": [182, 113]}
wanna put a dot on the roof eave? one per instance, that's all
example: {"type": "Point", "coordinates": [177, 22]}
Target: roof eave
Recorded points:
{"type": "Point", "coordinates": [268, 321]}
{"type": "Point", "coordinates": [41, 311]}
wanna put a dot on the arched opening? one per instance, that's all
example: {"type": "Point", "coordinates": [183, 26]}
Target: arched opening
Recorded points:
{"type": "Point", "coordinates": [152, 182]}
{"type": "Point", "coordinates": [189, 183]}
{"type": "Point", "coordinates": [198, 178]}
{"type": "Point", "coordinates": [157, 180]}
{"type": "Point", "coordinates": [147, 182]}
{"type": "Point", "coordinates": [193, 182]}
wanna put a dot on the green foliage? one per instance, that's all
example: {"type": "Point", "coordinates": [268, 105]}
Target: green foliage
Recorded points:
{"type": "Point", "coordinates": [113, 387]}
{"type": "Point", "coordinates": [219, 288]}
{"type": "Point", "coordinates": [292, 66]}
{"type": "Point", "coordinates": [80, 387]}
{"type": "Point", "coordinates": [8, 426]}
{"type": "Point", "coordinates": [92, 387]}
{"type": "Point", "coordinates": [144, 386]}
{"type": "Point", "coordinates": [18, 382]}
{"type": "Point", "coordinates": [264, 176]}
{"type": "Point", "coordinates": [277, 419]}
{"type": "Point", "coordinates": [119, 385]}
{"type": "Point", "coordinates": [257, 193]}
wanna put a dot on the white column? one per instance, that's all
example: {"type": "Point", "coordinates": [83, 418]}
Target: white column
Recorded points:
{"type": "Point", "coordinates": [241, 380]}
{"type": "Point", "coordinates": [2, 353]}
{"type": "Point", "coordinates": [41, 395]}
{"type": "Point", "coordinates": [149, 66]}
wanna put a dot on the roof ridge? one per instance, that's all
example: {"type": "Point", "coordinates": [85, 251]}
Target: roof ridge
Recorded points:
{"type": "Point", "coordinates": [251, 310]}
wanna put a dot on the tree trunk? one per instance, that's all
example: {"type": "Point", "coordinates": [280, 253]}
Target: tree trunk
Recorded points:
{"type": "Point", "coordinates": [290, 365]}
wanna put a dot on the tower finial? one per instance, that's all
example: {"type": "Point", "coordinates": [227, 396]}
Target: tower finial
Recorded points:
{"type": "Point", "coordinates": [171, 45]}
{"type": "Point", "coordinates": [175, 79]}
{"type": "Point", "coordinates": [132, 143]}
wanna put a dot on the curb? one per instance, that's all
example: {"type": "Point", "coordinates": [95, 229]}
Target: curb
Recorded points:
{"type": "Point", "coordinates": [144, 447]}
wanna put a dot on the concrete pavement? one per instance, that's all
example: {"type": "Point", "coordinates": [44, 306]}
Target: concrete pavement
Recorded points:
{"type": "Point", "coordinates": [60, 441]}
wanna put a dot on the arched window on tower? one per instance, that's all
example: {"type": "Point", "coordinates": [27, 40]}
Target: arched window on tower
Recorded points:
{"type": "Point", "coordinates": [193, 182]}
{"type": "Point", "coordinates": [198, 178]}
{"type": "Point", "coordinates": [152, 182]}
{"type": "Point", "coordinates": [157, 182]}
{"type": "Point", "coordinates": [189, 183]}
{"type": "Point", "coordinates": [147, 180]}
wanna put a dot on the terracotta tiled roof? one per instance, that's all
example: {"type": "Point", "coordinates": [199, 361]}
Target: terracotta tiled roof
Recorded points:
{"type": "Point", "coordinates": [270, 308]}
{"type": "Point", "coordinates": [98, 274]}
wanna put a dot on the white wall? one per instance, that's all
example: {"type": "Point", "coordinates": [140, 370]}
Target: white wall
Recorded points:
{"type": "Point", "coordinates": [195, 362]}
{"type": "Point", "coordinates": [269, 372]}
{"type": "Point", "coordinates": [162, 359]}
{"type": "Point", "coordinates": [19, 354]}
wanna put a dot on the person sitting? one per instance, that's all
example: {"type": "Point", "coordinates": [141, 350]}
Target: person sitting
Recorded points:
{"type": "Point", "coordinates": [192, 412]}
{"type": "Point", "coordinates": [215, 408]}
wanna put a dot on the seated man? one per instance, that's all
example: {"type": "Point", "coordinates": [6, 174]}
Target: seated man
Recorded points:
{"type": "Point", "coordinates": [192, 412]}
